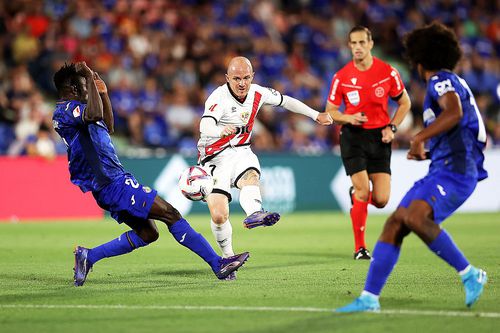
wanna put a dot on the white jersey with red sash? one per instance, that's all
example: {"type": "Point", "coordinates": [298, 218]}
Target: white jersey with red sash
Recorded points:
{"type": "Point", "coordinates": [226, 109]}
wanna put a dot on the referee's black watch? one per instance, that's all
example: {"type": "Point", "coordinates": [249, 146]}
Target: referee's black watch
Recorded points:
{"type": "Point", "coordinates": [393, 128]}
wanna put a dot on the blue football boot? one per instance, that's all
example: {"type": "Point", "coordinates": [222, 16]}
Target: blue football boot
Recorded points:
{"type": "Point", "coordinates": [474, 282]}
{"type": "Point", "coordinates": [364, 303]}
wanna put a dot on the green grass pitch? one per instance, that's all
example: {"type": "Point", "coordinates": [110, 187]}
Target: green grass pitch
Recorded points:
{"type": "Point", "coordinates": [298, 270]}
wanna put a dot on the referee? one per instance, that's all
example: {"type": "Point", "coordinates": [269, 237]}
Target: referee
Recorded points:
{"type": "Point", "coordinates": [365, 85]}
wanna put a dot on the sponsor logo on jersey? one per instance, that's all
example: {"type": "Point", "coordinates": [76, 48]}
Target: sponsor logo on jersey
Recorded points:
{"type": "Point", "coordinates": [245, 116]}
{"type": "Point", "coordinates": [353, 97]}
{"type": "Point", "coordinates": [379, 92]}
{"type": "Point", "coordinates": [76, 111]}
{"type": "Point", "coordinates": [233, 109]}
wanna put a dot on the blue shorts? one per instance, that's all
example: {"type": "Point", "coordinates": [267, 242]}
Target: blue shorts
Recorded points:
{"type": "Point", "coordinates": [444, 191]}
{"type": "Point", "coordinates": [126, 199]}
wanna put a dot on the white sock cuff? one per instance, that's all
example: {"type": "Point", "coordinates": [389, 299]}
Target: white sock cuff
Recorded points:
{"type": "Point", "coordinates": [465, 270]}
{"type": "Point", "coordinates": [367, 293]}
{"type": "Point", "coordinates": [215, 226]}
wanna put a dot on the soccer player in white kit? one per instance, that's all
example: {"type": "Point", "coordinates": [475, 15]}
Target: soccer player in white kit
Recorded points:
{"type": "Point", "coordinates": [224, 147]}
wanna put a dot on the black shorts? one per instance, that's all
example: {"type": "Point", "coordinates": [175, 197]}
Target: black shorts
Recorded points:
{"type": "Point", "coordinates": [363, 149]}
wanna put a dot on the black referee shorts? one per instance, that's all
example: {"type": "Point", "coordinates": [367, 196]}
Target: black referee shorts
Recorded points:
{"type": "Point", "coordinates": [363, 149]}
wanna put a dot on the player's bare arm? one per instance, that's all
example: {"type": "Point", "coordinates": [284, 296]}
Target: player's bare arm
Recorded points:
{"type": "Point", "coordinates": [106, 102]}
{"type": "Point", "coordinates": [404, 105]}
{"type": "Point", "coordinates": [94, 110]}
{"type": "Point", "coordinates": [449, 118]}
{"type": "Point", "coordinates": [341, 119]}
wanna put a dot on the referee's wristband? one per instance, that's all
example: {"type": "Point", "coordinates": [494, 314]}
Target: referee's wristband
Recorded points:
{"type": "Point", "coordinates": [393, 127]}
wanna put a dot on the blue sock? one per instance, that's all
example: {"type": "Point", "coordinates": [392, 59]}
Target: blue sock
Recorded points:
{"type": "Point", "coordinates": [384, 257]}
{"type": "Point", "coordinates": [447, 250]}
{"type": "Point", "coordinates": [188, 237]}
{"type": "Point", "coordinates": [127, 242]}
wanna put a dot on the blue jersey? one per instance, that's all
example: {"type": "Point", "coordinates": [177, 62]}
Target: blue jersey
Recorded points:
{"type": "Point", "coordinates": [93, 163]}
{"type": "Point", "coordinates": [460, 149]}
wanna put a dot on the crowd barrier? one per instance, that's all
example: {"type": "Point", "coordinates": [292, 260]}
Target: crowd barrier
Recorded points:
{"type": "Point", "coordinates": [35, 188]}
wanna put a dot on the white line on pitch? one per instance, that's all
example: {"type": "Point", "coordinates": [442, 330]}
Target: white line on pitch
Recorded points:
{"type": "Point", "coordinates": [437, 313]}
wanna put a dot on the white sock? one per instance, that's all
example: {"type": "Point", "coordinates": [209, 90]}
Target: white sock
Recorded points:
{"type": "Point", "coordinates": [367, 293]}
{"type": "Point", "coordinates": [223, 234]}
{"type": "Point", "coordinates": [465, 270]}
{"type": "Point", "coordinates": [250, 199]}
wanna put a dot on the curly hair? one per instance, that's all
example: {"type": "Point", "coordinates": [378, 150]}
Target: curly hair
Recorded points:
{"type": "Point", "coordinates": [434, 46]}
{"type": "Point", "coordinates": [65, 77]}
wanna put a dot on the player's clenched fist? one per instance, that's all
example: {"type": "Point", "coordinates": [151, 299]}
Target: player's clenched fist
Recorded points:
{"type": "Point", "coordinates": [227, 131]}
{"type": "Point", "coordinates": [324, 119]}
{"type": "Point", "coordinates": [101, 86]}
{"type": "Point", "coordinates": [82, 68]}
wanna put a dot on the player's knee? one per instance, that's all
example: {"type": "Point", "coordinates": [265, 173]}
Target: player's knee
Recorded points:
{"type": "Point", "coordinates": [392, 225]}
{"type": "Point", "coordinates": [362, 195]}
{"type": "Point", "coordinates": [220, 217]}
{"type": "Point", "coordinates": [413, 222]}
{"type": "Point", "coordinates": [380, 202]}
{"type": "Point", "coordinates": [150, 236]}
{"type": "Point", "coordinates": [394, 229]}
{"type": "Point", "coordinates": [173, 213]}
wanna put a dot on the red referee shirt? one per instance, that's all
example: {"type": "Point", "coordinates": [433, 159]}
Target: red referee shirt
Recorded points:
{"type": "Point", "coordinates": [366, 91]}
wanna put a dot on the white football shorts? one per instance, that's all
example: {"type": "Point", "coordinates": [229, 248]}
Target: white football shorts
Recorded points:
{"type": "Point", "coordinates": [229, 166]}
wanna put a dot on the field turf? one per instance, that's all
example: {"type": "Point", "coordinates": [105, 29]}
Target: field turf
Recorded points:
{"type": "Point", "coordinates": [299, 270]}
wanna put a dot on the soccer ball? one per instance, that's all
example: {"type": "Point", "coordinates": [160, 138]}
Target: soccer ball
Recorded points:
{"type": "Point", "coordinates": [195, 183]}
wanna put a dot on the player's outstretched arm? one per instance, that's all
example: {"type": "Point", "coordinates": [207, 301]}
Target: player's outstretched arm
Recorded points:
{"type": "Point", "coordinates": [94, 109]}
{"type": "Point", "coordinates": [324, 119]}
{"type": "Point", "coordinates": [106, 102]}
{"type": "Point", "coordinates": [297, 106]}
{"type": "Point", "coordinates": [341, 118]}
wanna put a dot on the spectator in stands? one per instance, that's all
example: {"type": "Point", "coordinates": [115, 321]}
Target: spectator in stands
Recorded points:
{"type": "Point", "coordinates": [134, 43]}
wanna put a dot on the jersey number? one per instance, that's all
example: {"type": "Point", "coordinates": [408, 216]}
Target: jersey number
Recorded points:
{"type": "Point", "coordinates": [130, 181]}
{"type": "Point", "coordinates": [212, 168]}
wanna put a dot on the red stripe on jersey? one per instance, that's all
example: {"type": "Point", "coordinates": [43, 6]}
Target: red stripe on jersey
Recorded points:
{"type": "Point", "coordinates": [218, 145]}
{"type": "Point", "coordinates": [245, 136]}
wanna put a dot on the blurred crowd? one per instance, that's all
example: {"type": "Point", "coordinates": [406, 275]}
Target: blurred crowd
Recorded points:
{"type": "Point", "coordinates": [161, 60]}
